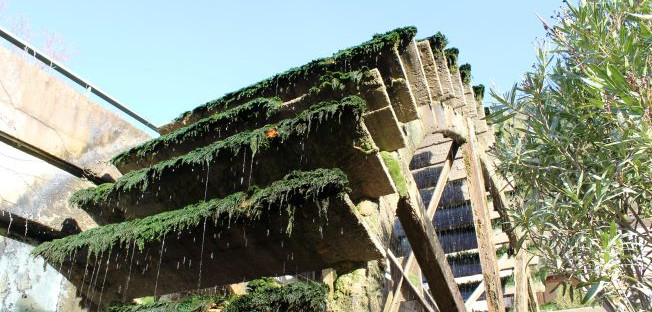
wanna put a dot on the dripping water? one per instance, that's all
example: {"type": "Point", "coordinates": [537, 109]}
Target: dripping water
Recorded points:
{"type": "Point", "coordinates": [131, 262]}
{"type": "Point", "coordinates": [158, 270]}
{"type": "Point", "coordinates": [201, 254]}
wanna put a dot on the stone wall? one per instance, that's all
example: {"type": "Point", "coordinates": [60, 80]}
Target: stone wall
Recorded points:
{"type": "Point", "coordinates": [43, 110]}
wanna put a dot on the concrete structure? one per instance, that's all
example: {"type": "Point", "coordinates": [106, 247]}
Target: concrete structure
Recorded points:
{"type": "Point", "coordinates": [46, 112]}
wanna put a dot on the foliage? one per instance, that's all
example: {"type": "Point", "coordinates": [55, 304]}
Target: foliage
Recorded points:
{"type": "Point", "coordinates": [451, 59]}
{"type": "Point", "coordinates": [265, 296]}
{"type": "Point", "coordinates": [576, 138]}
{"type": "Point", "coordinates": [465, 73]}
{"type": "Point", "coordinates": [478, 92]}
{"type": "Point", "coordinates": [438, 42]}
{"type": "Point", "coordinates": [294, 297]}
{"type": "Point", "coordinates": [316, 186]}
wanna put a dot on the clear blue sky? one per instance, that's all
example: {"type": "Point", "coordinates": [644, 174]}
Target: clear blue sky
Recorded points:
{"type": "Point", "coordinates": [163, 57]}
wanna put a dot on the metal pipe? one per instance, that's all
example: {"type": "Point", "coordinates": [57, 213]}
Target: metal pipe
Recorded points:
{"type": "Point", "coordinates": [15, 40]}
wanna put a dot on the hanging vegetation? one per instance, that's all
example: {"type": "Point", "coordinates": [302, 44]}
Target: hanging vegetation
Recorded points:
{"type": "Point", "coordinates": [310, 186]}
{"type": "Point", "coordinates": [211, 127]}
{"type": "Point", "coordinates": [254, 140]}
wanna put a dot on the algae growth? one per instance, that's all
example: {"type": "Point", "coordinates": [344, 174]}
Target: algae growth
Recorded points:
{"type": "Point", "coordinates": [315, 186]}
{"type": "Point", "coordinates": [478, 92]}
{"type": "Point", "coordinates": [254, 140]}
{"type": "Point", "coordinates": [212, 126]}
{"type": "Point", "coordinates": [465, 74]}
{"type": "Point", "coordinates": [451, 59]}
{"type": "Point", "coordinates": [394, 168]}
{"type": "Point", "coordinates": [438, 43]}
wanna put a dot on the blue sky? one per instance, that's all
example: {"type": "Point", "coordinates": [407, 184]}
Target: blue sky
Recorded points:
{"type": "Point", "coordinates": [163, 57]}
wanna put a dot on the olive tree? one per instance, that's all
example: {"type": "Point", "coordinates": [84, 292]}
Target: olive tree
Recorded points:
{"type": "Point", "coordinates": [575, 136]}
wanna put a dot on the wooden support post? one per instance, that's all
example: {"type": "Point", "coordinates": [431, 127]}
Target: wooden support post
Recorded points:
{"type": "Point", "coordinates": [414, 289]}
{"type": "Point", "coordinates": [482, 222]}
{"type": "Point", "coordinates": [430, 256]}
{"type": "Point", "coordinates": [534, 302]}
{"type": "Point", "coordinates": [521, 293]}
{"type": "Point", "coordinates": [430, 214]}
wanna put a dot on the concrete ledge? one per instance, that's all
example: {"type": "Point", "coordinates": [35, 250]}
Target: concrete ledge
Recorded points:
{"type": "Point", "coordinates": [244, 251]}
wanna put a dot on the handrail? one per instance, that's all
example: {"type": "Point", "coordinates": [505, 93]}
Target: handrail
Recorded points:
{"type": "Point", "coordinates": [15, 40]}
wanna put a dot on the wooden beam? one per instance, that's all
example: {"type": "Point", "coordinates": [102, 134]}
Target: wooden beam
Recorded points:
{"type": "Point", "coordinates": [31, 232]}
{"type": "Point", "coordinates": [430, 256]}
{"type": "Point", "coordinates": [430, 214]}
{"type": "Point", "coordinates": [51, 159]}
{"type": "Point", "coordinates": [414, 289]}
{"type": "Point", "coordinates": [521, 293]}
{"type": "Point", "coordinates": [482, 222]}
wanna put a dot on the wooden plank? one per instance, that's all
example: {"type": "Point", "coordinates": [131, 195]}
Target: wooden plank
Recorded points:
{"type": "Point", "coordinates": [482, 221]}
{"type": "Point", "coordinates": [521, 282]}
{"type": "Point", "coordinates": [430, 256]}
{"type": "Point", "coordinates": [430, 213]}
{"type": "Point", "coordinates": [52, 159]}
{"type": "Point", "coordinates": [414, 289]}
{"type": "Point", "coordinates": [534, 302]}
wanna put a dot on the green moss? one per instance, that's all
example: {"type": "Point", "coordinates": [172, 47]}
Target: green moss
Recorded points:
{"type": "Point", "coordinates": [394, 168]}
{"type": "Point", "coordinates": [345, 60]}
{"type": "Point", "coordinates": [255, 140]}
{"type": "Point", "coordinates": [90, 196]}
{"type": "Point", "coordinates": [438, 42]}
{"type": "Point", "coordinates": [465, 73]}
{"type": "Point", "coordinates": [478, 92]}
{"type": "Point", "coordinates": [267, 297]}
{"type": "Point", "coordinates": [197, 303]}
{"type": "Point", "coordinates": [316, 185]}
{"type": "Point", "coordinates": [451, 59]}
{"type": "Point", "coordinates": [252, 110]}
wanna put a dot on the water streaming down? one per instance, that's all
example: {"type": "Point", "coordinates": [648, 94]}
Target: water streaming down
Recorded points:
{"type": "Point", "coordinates": [131, 262]}
{"type": "Point", "coordinates": [158, 270]}
{"type": "Point", "coordinates": [203, 235]}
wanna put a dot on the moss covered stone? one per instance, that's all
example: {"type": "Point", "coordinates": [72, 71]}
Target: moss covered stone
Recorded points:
{"type": "Point", "coordinates": [344, 60]}
{"type": "Point", "coordinates": [438, 42]}
{"type": "Point", "coordinates": [212, 126]}
{"type": "Point", "coordinates": [394, 168]}
{"type": "Point", "coordinates": [451, 59]}
{"type": "Point", "coordinates": [316, 185]}
{"type": "Point", "coordinates": [254, 140]}
{"type": "Point", "coordinates": [465, 73]}
{"type": "Point", "coordinates": [478, 92]}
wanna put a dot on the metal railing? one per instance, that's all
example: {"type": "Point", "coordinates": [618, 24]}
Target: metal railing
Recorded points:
{"type": "Point", "coordinates": [15, 40]}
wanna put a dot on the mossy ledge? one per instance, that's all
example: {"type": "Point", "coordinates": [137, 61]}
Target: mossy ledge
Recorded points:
{"type": "Point", "coordinates": [451, 59]}
{"type": "Point", "coordinates": [210, 126]}
{"type": "Point", "coordinates": [332, 85]}
{"type": "Point", "coordinates": [340, 61]}
{"type": "Point", "coordinates": [263, 295]}
{"type": "Point", "coordinates": [465, 73]}
{"type": "Point", "coordinates": [394, 168]}
{"type": "Point", "coordinates": [316, 186]}
{"type": "Point", "coordinates": [438, 43]}
{"type": "Point", "coordinates": [255, 140]}
{"type": "Point", "coordinates": [478, 92]}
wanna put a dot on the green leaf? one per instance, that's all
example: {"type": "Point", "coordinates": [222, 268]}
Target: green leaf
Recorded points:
{"type": "Point", "coordinates": [593, 292]}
